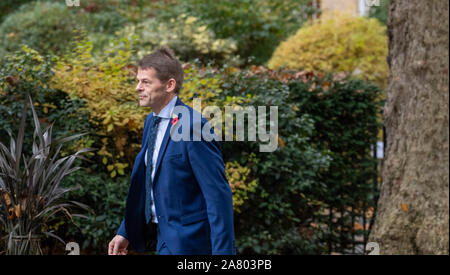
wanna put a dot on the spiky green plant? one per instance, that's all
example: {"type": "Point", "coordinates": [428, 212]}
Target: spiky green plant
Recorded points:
{"type": "Point", "coordinates": [30, 192]}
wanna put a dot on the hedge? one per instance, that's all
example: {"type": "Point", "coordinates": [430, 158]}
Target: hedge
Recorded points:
{"type": "Point", "coordinates": [326, 127]}
{"type": "Point", "coordinates": [337, 43]}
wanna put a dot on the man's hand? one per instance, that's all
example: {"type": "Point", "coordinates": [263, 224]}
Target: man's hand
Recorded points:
{"type": "Point", "coordinates": [118, 246]}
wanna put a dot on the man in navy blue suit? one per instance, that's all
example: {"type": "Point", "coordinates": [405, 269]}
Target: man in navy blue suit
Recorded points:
{"type": "Point", "coordinates": [179, 200]}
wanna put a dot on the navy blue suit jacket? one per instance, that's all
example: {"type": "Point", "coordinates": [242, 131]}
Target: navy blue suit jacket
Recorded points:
{"type": "Point", "coordinates": [192, 196]}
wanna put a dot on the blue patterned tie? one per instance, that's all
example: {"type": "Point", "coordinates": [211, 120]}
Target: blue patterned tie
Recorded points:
{"type": "Point", "coordinates": [148, 169]}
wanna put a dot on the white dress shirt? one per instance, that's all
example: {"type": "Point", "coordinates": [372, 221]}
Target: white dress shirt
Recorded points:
{"type": "Point", "coordinates": [166, 115]}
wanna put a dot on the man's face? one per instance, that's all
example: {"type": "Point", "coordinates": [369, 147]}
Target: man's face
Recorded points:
{"type": "Point", "coordinates": [152, 93]}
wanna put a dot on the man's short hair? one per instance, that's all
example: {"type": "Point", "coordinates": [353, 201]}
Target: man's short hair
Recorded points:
{"type": "Point", "coordinates": [166, 65]}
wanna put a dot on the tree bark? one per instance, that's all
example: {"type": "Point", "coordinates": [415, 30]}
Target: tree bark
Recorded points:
{"type": "Point", "coordinates": [413, 209]}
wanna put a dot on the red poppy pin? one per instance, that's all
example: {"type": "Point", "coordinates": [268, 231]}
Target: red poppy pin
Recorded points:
{"type": "Point", "coordinates": [174, 119]}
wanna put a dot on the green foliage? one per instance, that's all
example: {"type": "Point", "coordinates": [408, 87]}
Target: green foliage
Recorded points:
{"type": "Point", "coordinates": [30, 194]}
{"type": "Point", "coordinates": [240, 184]}
{"type": "Point", "coordinates": [252, 31]}
{"type": "Point", "coordinates": [268, 221]}
{"type": "Point", "coordinates": [203, 84]}
{"type": "Point", "coordinates": [44, 26]}
{"type": "Point", "coordinates": [49, 26]}
{"type": "Point", "coordinates": [8, 6]}
{"type": "Point", "coordinates": [189, 38]}
{"type": "Point", "coordinates": [326, 128]}
{"type": "Point", "coordinates": [106, 197]}
{"type": "Point", "coordinates": [108, 90]}
{"type": "Point", "coordinates": [380, 12]}
{"type": "Point", "coordinates": [323, 162]}
{"type": "Point", "coordinates": [345, 114]}
{"type": "Point", "coordinates": [105, 22]}
{"type": "Point", "coordinates": [27, 71]}
{"type": "Point", "coordinates": [257, 25]}
{"type": "Point", "coordinates": [101, 28]}
{"type": "Point", "coordinates": [337, 43]}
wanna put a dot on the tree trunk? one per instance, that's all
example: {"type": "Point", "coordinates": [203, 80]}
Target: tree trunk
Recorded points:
{"type": "Point", "coordinates": [413, 208]}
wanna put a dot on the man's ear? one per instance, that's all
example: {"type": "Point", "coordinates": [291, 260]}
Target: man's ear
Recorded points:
{"type": "Point", "coordinates": [170, 85]}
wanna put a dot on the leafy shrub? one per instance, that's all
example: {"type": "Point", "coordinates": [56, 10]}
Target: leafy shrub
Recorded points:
{"type": "Point", "coordinates": [44, 26]}
{"type": "Point", "coordinates": [189, 38]}
{"type": "Point", "coordinates": [240, 185]}
{"type": "Point", "coordinates": [257, 26]}
{"type": "Point", "coordinates": [201, 83]}
{"type": "Point", "coordinates": [28, 71]}
{"type": "Point", "coordinates": [323, 165]}
{"type": "Point", "coordinates": [326, 124]}
{"type": "Point", "coordinates": [105, 21]}
{"type": "Point", "coordinates": [345, 114]}
{"type": "Point", "coordinates": [101, 28]}
{"type": "Point", "coordinates": [8, 6]}
{"type": "Point", "coordinates": [108, 90]}
{"type": "Point", "coordinates": [337, 43]}
{"type": "Point", "coordinates": [275, 209]}
{"type": "Point", "coordinates": [106, 197]}
{"type": "Point", "coordinates": [380, 12]}
{"type": "Point", "coordinates": [49, 26]}
{"type": "Point", "coordinates": [31, 195]}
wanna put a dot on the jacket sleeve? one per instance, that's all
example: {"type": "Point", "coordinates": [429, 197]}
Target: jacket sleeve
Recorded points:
{"type": "Point", "coordinates": [122, 230]}
{"type": "Point", "coordinates": [207, 165]}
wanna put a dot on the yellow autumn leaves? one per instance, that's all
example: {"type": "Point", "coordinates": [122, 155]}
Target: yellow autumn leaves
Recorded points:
{"type": "Point", "coordinates": [115, 168]}
{"type": "Point", "coordinates": [108, 90]}
{"type": "Point", "coordinates": [14, 211]}
{"type": "Point", "coordinates": [240, 182]}
{"type": "Point", "coordinates": [337, 43]}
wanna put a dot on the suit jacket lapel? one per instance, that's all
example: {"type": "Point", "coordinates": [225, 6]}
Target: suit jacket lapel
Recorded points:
{"type": "Point", "coordinates": [146, 136]}
{"type": "Point", "coordinates": [140, 158]}
{"type": "Point", "coordinates": [164, 143]}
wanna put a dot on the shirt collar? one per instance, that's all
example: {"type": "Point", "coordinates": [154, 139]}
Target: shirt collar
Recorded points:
{"type": "Point", "coordinates": [166, 112]}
